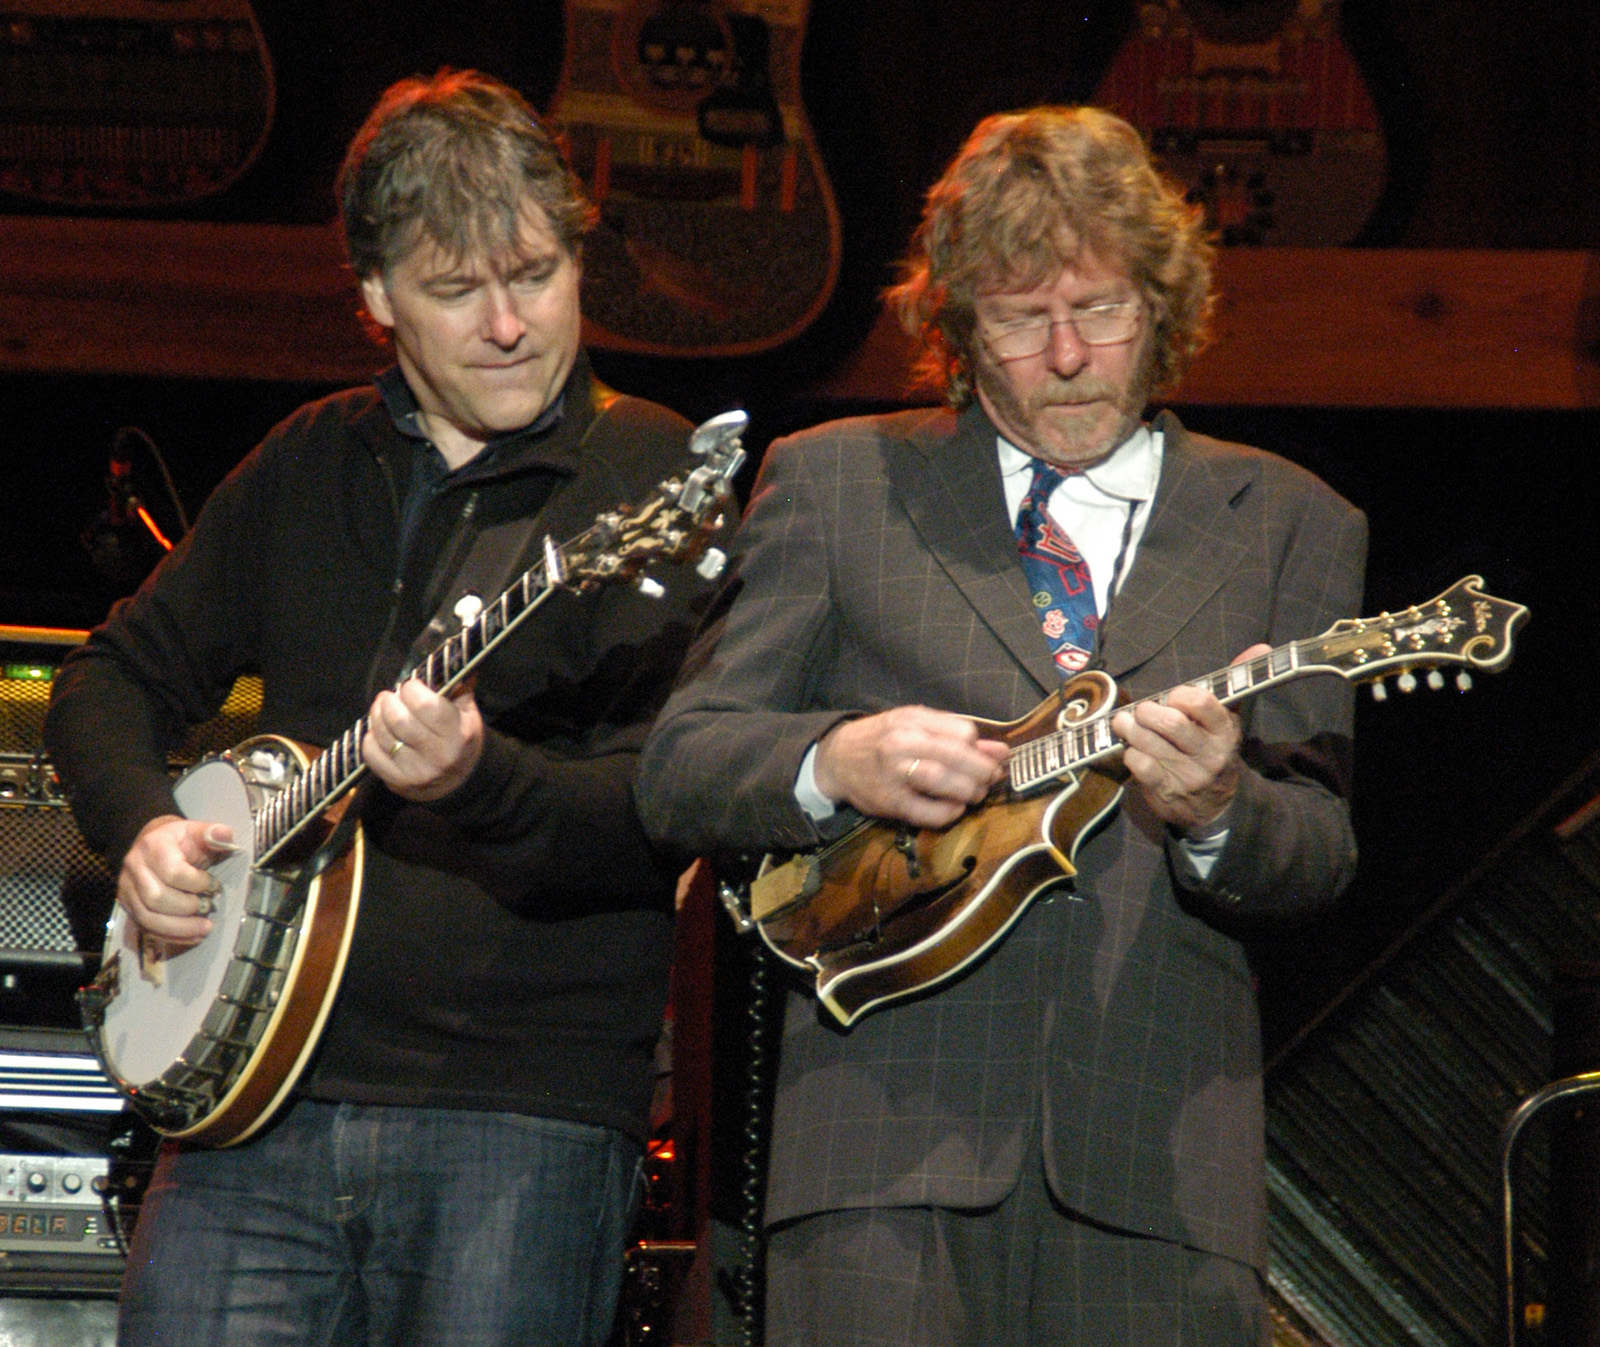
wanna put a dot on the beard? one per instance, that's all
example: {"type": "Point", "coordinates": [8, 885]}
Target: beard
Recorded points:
{"type": "Point", "coordinates": [1072, 423]}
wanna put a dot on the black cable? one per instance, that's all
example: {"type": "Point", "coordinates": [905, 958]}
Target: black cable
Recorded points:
{"type": "Point", "coordinates": [749, 1283]}
{"type": "Point", "coordinates": [126, 433]}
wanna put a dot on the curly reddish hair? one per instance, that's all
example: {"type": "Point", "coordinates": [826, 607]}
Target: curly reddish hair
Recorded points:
{"type": "Point", "coordinates": [1021, 199]}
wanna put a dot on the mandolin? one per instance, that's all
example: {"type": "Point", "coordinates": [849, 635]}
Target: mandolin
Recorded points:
{"type": "Point", "coordinates": [1259, 109]}
{"type": "Point", "coordinates": [890, 911]}
{"type": "Point", "coordinates": [718, 234]}
{"type": "Point", "coordinates": [206, 1042]}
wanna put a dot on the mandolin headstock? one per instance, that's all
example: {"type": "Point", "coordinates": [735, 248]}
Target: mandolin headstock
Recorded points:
{"type": "Point", "coordinates": [1463, 627]}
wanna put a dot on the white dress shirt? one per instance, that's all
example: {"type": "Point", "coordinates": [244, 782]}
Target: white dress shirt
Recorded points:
{"type": "Point", "coordinates": [1102, 509]}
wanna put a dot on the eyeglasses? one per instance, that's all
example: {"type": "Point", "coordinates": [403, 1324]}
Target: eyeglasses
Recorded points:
{"type": "Point", "coordinates": [1095, 325]}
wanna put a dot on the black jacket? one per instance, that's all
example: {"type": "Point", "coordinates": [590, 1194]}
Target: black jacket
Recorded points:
{"type": "Point", "coordinates": [514, 938]}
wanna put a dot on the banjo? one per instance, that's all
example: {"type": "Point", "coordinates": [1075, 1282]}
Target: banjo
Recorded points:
{"type": "Point", "coordinates": [207, 1041]}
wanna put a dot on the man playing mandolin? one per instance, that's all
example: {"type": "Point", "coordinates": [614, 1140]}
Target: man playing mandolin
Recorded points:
{"type": "Point", "coordinates": [457, 1163]}
{"type": "Point", "coordinates": [1060, 1140]}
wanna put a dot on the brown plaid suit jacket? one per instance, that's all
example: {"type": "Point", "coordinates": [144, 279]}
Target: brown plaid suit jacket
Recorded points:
{"type": "Point", "coordinates": [1114, 1030]}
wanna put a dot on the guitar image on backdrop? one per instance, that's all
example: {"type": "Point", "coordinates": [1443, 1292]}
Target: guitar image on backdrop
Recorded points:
{"type": "Point", "coordinates": [130, 103]}
{"type": "Point", "coordinates": [1259, 108]}
{"type": "Point", "coordinates": [719, 234]}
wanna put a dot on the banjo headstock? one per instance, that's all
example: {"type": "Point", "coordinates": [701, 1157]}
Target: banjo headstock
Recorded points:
{"type": "Point", "coordinates": [675, 524]}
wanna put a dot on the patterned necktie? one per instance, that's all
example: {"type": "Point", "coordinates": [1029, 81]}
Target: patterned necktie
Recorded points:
{"type": "Point", "coordinates": [1058, 576]}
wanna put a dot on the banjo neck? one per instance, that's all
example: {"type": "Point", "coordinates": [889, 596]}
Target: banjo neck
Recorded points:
{"type": "Point", "coordinates": [340, 767]}
{"type": "Point", "coordinates": [674, 524]}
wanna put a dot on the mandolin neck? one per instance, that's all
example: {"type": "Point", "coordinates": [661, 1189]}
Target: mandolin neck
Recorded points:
{"type": "Point", "coordinates": [1071, 747]}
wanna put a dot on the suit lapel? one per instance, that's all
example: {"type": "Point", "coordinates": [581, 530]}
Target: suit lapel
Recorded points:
{"type": "Point", "coordinates": [949, 484]}
{"type": "Point", "coordinates": [1195, 539]}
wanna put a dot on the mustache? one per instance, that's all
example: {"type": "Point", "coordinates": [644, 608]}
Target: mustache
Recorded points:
{"type": "Point", "coordinates": [1058, 390]}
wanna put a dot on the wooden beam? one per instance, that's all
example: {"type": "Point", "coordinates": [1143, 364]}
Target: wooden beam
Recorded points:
{"type": "Point", "coordinates": [179, 299]}
{"type": "Point", "coordinates": [1403, 328]}
{"type": "Point", "coordinates": [1353, 327]}
{"type": "Point", "coordinates": [1296, 327]}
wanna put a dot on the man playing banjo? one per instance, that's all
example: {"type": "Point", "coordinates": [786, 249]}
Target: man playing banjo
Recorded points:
{"type": "Point", "coordinates": [458, 1160]}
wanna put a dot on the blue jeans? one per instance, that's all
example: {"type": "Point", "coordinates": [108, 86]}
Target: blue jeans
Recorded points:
{"type": "Point", "coordinates": [353, 1224]}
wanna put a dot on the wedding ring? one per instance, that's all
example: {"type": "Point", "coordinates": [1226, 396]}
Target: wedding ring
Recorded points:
{"type": "Point", "coordinates": [394, 748]}
{"type": "Point", "coordinates": [911, 767]}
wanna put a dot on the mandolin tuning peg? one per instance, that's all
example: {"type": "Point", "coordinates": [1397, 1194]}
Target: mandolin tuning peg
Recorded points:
{"type": "Point", "coordinates": [1464, 681]}
{"type": "Point", "coordinates": [1407, 682]}
{"type": "Point", "coordinates": [712, 564]}
{"type": "Point", "coordinates": [1380, 693]}
{"type": "Point", "coordinates": [651, 589]}
{"type": "Point", "coordinates": [1435, 679]}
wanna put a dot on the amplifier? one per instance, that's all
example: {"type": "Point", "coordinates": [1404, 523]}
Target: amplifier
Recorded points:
{"type": "Point", "coordinates": [73, 1161]}
{"type": "Point", "coordinates": [55, 893]}
{"type": "Point", "coordinates": [54, 1204]}
{"type": "Point", "coordinates": [56, 1082]}
{"type": "Point", "coordinates": [58, 1232]}
{"type": "Point", "coordinates": [55, 898]}
{"type": "Point", "coordinates": [74, 1165]}
{"type": "Point", "coordinates": [71, 1182]}
{"type": "Point", "coordinates": [29, 657]}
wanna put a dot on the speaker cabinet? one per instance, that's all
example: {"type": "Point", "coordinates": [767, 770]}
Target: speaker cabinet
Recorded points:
{"type": "Point", "coordinates": [55, 893]}
{"type": "Point", "coordinates": [55, 898]}
{"type": "Point", "coordinates": [73, 1160]}
{"type": "Point", "coordinates": [28, 666]}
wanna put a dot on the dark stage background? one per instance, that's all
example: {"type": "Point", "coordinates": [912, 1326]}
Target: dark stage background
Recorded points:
{"type": "Point", "coordinates": [1492, 127]}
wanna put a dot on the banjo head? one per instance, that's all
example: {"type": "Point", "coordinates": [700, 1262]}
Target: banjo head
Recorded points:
{"type": "Point", "coordinates": [163, 994]}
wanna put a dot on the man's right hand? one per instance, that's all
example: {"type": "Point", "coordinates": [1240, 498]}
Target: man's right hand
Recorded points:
{"type": "Point", "coordinates": [165, 886]}
{"type": "Point", "coordinates": [911, 764]}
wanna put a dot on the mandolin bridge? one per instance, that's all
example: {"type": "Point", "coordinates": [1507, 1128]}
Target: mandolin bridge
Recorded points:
{"type": "Point", "coordinates": [905, 842]}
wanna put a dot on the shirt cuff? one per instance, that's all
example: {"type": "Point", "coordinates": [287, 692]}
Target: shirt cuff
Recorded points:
{"type": "Point", "coordinates": [816, 805]}
{"type": "Point", "coordinates": [1201, 853]}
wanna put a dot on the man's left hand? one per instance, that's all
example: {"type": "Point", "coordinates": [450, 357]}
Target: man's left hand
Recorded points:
{"type": "Point", "coordinates": [1184, 754]}
{"type": "Point", "coordinates": [422, 745]}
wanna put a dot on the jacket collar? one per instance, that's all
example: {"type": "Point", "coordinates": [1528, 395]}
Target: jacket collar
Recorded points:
{"type": "Point", "coordinates": [550, 444]}
{"type": "Point", "coordinates": [948, 476]}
